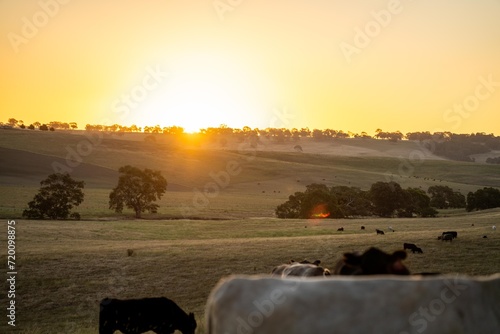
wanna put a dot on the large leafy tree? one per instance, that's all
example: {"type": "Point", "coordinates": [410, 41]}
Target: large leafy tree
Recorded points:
{"type": "Point", "coordinates": [137, 189]}
{"type": "Point", "coordinates": [482, 199]}
{"type": "Point", "coordinates": [58, 194]}
{"type": "Point", "coordinates": [387, 197]}
{"type": "Point", "coordinates": [444, 197]}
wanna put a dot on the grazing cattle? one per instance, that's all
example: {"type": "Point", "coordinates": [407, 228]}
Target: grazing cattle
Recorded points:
{"type": "Point", "coordinates": [485, 236]}
{"type": "Point", "coordinates": [340, 229]}
{"type": "Point", "coordinates": [304, 270]}
{"type": "Point", "coordinates": [409, 246]}
{"type": "Point", "coordinates": [453, 233]}
{"type": "Point", "coordinates": [380, 304]}
{"type": "Point", "coordinates": [494, 228]}
{"type": "Point", "coordinates": [379, 231]}
{"type": "Point", "coordinates": [134, 316]}
{"type": "Point", "coordinates": [417, 250]}
{"type": "Point", "coordinates": [447, 237]}
{"type": "Point", "coordinates": [362, 227]}
{"type": "Point", "coordinates": [372, 262]}
{"type": "Point", "coordinates": [391, 229]}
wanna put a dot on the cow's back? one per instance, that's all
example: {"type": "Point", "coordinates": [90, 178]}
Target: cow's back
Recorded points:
{"type": "Point", "coordinates": [376, 304]}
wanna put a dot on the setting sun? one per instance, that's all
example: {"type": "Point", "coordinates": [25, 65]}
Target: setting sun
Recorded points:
{"type": "Point", "coordinates": [202, 90]}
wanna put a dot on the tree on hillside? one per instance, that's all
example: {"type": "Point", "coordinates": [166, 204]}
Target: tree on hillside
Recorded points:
{"type": "Point", "coordinates": [387, 197]}
{"type": "Point", "coordinates": [444, 197]}
{"type": "Point", "coordinates": [137, 189]}
{"type": "Point", "coordinates": [482, 199]}
{"type": "Point", "coordinates": [416, 202]}
{"type": "Point", "coordinates": [58, 194]}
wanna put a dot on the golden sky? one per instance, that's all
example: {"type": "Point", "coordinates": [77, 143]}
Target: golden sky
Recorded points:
{"type": "Point", "coordinates": [408, 65]}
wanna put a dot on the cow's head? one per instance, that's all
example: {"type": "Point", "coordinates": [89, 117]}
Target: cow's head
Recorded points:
{"type": "Point", "coordinates": [190, 326]}
{"type": "Point", "coordinates": [373, 262]}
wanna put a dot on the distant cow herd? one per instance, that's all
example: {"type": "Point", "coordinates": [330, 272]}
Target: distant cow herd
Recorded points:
{"type": "Point", "coordinates": [164, 316]}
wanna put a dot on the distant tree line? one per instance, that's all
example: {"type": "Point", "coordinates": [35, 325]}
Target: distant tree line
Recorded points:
{"type": "Point", "coordinates": [445, 144]}
{"type": "Point", "coordinates": [384, 199]}
{"type": "Point", "coordinates": [51, 126]}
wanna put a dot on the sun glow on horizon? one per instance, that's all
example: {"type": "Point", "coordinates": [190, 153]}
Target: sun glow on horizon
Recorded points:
{"type": "Point", "coordinates": [203, 90]}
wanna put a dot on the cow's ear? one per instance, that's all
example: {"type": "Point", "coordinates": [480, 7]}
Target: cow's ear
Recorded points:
{"type": "Point", "coordinates": [400, 255]}
{"type": "Point", "coordinates": [352, 259]}
{"type": "Point", "coordinates": [317, 262]}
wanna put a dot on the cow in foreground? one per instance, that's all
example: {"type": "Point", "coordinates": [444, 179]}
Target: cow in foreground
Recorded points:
{"type": "Point", "coordinates": [380, 304]}
{"type": "Point", "coordinates": [134, 316]}
{"type": "Point", "coordinates": [372, 262]}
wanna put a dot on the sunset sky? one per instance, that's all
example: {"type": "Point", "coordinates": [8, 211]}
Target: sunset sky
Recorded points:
{"type": "Point", "coordinates": [346, 65]}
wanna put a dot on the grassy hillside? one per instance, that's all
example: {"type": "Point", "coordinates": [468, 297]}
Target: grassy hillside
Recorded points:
{"type": "Point", "coordinates": [266, 175]}
{"type": "Point", "coordinates": [66, 268]}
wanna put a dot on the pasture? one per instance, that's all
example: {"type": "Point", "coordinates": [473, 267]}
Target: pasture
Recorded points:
{"type": "Point", "coordinates": [65, 268]}
{"type": "Point", "coordinates": [266, 175]}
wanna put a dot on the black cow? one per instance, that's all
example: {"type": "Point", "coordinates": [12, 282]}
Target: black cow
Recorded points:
{"type": "Point", "coordinates": [453, 233]}
{"type": "Point", "coordinates": [372, 262]}
{"type": "Point", "coordinates": [409, 246]}
{"type": "Point", "coordinates": [447, 237]}
{"type": "Point", "coordinates": [379, 231]}
{"type": "Point", "coordinates": [340, 229]}
{"type": "Point", "coordinates": [362, 227]}
{"type": "Point", "coordinates": [417, 250]}
{"type": "Point", "coordinates": [135, 316]}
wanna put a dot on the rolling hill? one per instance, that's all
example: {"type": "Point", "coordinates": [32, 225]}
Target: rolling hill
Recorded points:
{"type": "Point", "coordinates": [223, 180]}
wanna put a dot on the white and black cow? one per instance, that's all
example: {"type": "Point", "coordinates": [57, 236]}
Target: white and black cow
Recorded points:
{"type": "Point", "coordinates": [134, 316]}
{"type": "Point", "coordinates": [303, 269]}
{"type": "Point", "coordinates": [375, 304]}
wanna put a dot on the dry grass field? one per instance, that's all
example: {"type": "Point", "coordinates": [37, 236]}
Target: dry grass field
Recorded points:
{"type": "Point", "coordinates": [66, 267]}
